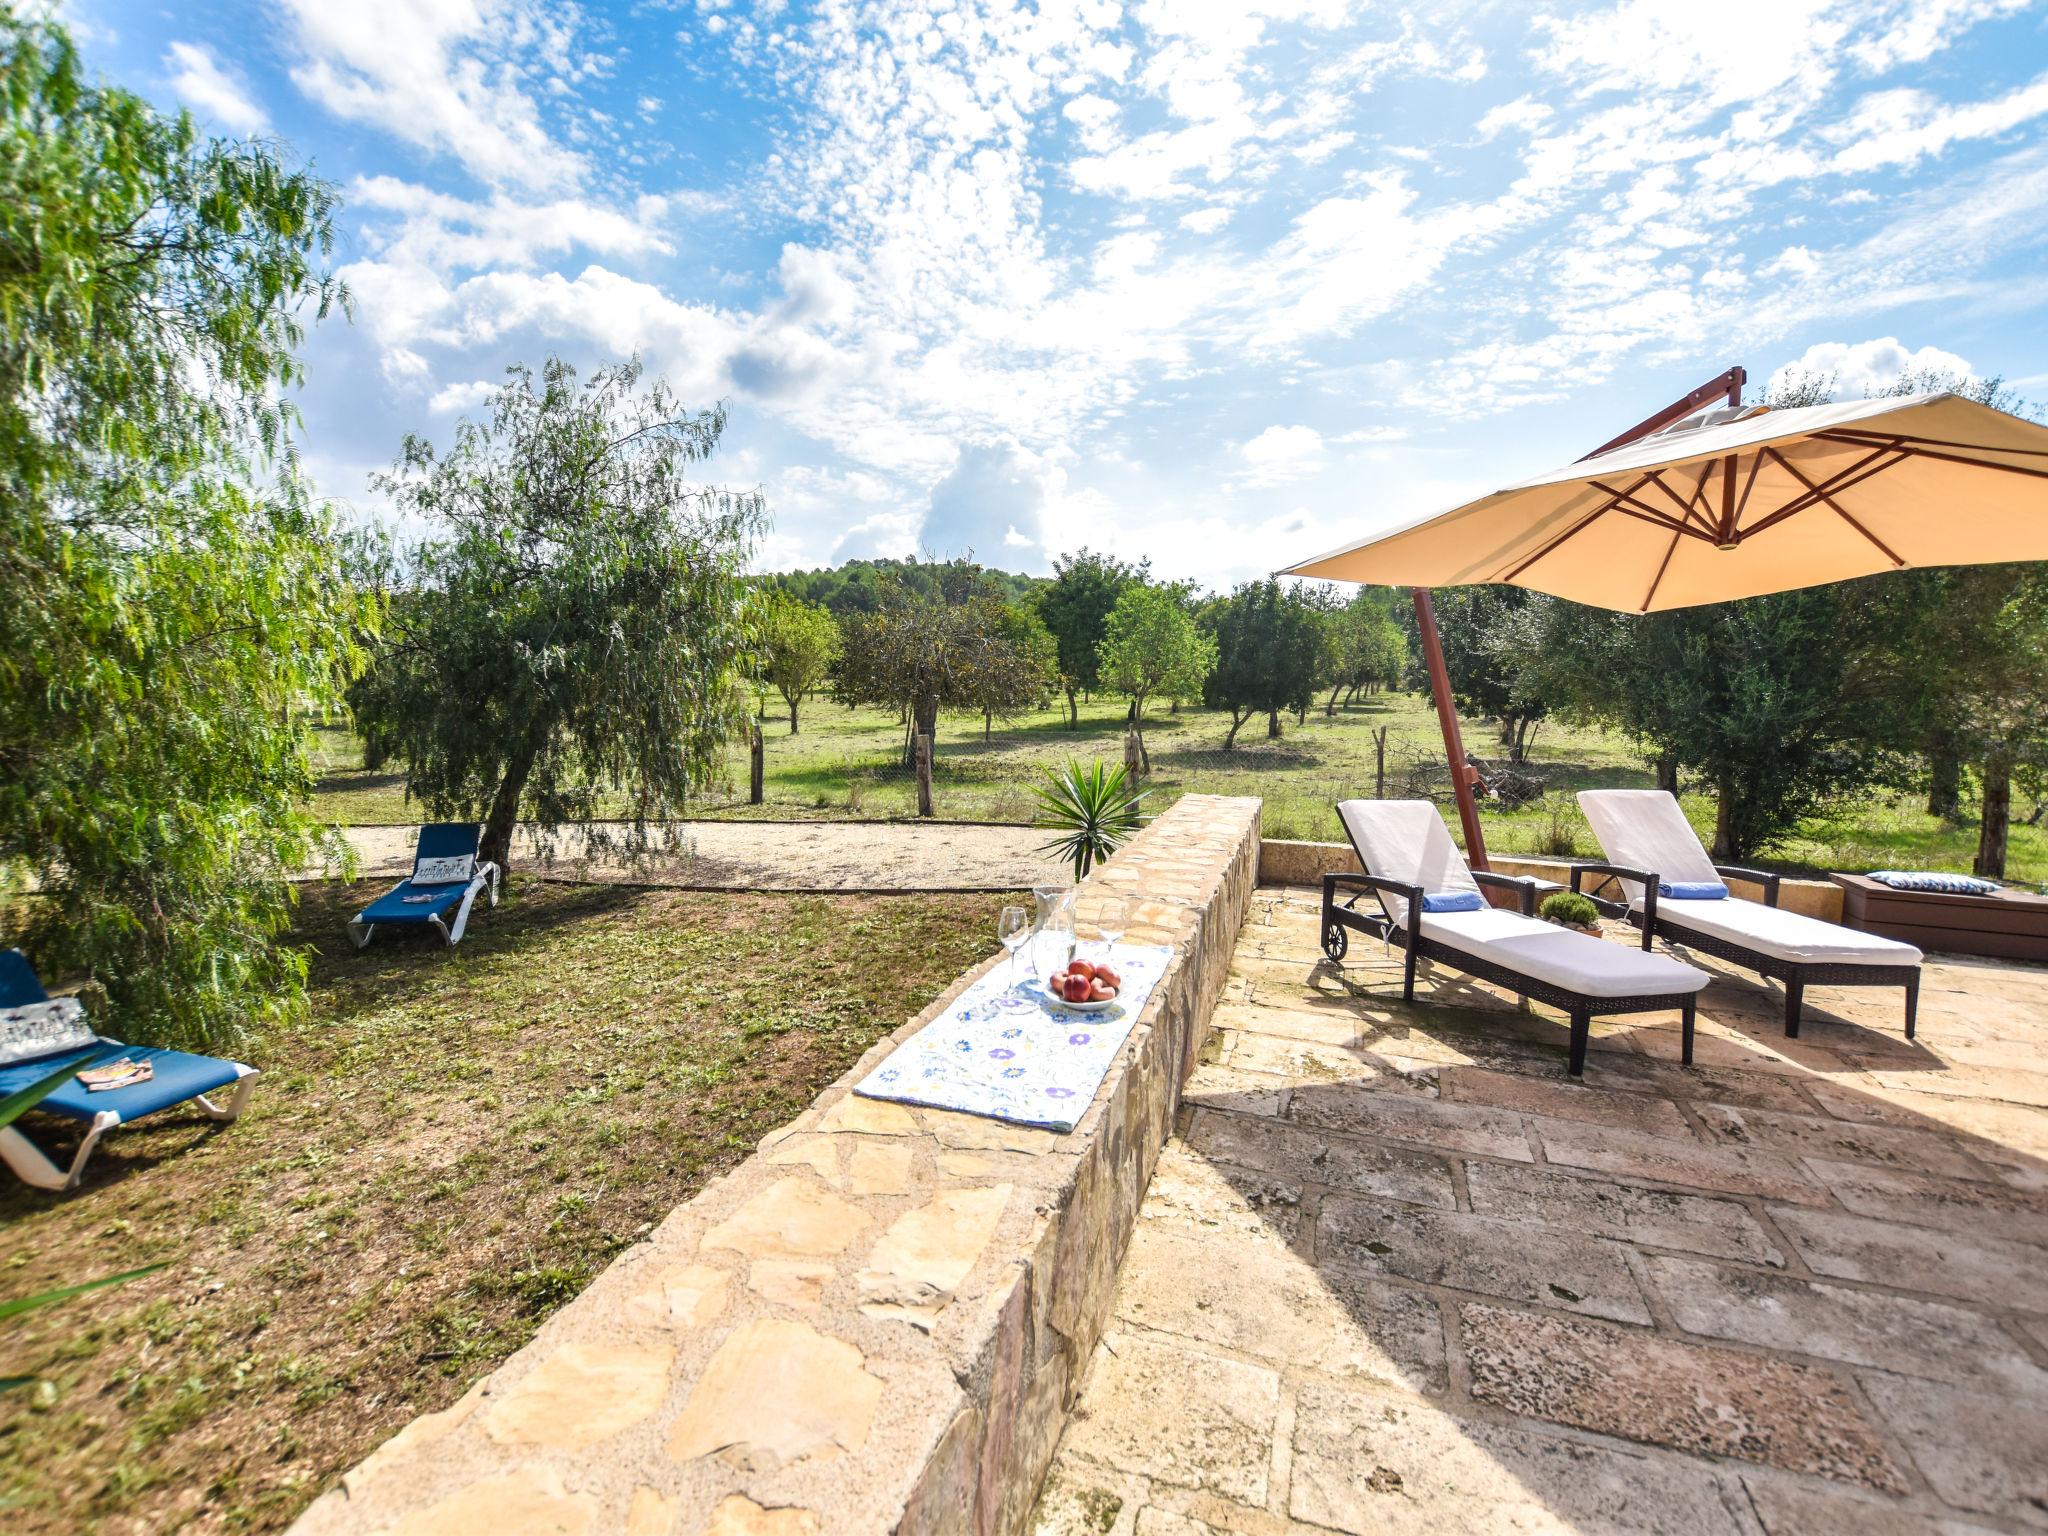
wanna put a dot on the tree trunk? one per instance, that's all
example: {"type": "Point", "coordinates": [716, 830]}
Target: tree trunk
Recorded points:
{"type": "Point", "coordinates": [1073, 712]}
{"type": "Point", "coordinates": [1991, 832]}
{"type": "Point", "coordinates": [1301, 713]}
{"type": "Point", "coordinates": [792, 712]}
{"type": "Point", "coordinates": [496, 846]}
{"type": "Point", "coordinates": [988, 724]}
{"type": "Point", "coordinates": [1726, 843]}
{"type": "Point", "coordinates": [1944, 777]}
{"type": "Point", "coordinates": [1236, 724]}
{"type": "Point", "coordinates": [1331, 707]}
{"type": "Point", "coordinates": [1667, 774]}
{"type": "Point", "coordinates": [1272, 725]}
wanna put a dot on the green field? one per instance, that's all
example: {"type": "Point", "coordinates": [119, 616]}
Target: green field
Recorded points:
{"type": "Point", "coordinates": [844, 764]}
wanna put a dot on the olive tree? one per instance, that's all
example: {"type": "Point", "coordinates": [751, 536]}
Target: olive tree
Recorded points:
{"type": "Point", "coordinates": [920, 653]}
{"type": "Point", "coordinates": [1268, 646]}
{"type": "Point", "coordinates": [579, 635]}
{"type": "Point", "coordinates": [172, 604]}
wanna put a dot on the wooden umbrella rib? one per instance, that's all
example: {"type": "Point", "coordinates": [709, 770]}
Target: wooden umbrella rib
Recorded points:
{"type": "Point", "coordinates": [1864, 437]}
{"type": "Point", "coordinates": [1635, 506]}
{"type": "Point", "coordinates": [1910, 450]}
{"type": "Point", "coordinates": [1658, 519]}
{"type": "Point", "coordinates": [1834, 506]}
{"type": "Point", "coordinates": [1583, 523]}
{"type": "Point", "coordinates": [1658, 580]}
{"type": "Point", "coordinates": [1854, 475]}
{"type": "Point", "coordinates": [1742, 503]}
{"type": "Point", "coordinates": [1685, 509]}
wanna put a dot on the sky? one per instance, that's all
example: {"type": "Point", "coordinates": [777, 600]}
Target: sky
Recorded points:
{"type": "Point", "coordinates": [1219, 286]}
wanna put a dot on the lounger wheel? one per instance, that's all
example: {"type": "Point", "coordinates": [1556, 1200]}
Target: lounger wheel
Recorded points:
{"type": "Point", "coordinates": [1335, 941]}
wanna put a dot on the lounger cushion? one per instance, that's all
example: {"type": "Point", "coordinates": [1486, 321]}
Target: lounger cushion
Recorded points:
{"type": "Point", "coordinates": [455, 869]}
{"type": "Point", "coordinates": [393, 907]}
{"type": "Point", "coordinates": [179, 1077]}
{"type": "Point", "coordinates": [29, 1031]}
{"type": "Point", "coordinates": [1406, 840]}
{"type": "Point", "coordinates": [1644, 829]}
{"type": "Point", "coordinates": [1785, 935]}
{"type": "Point", "coordinates": [1577, 962]}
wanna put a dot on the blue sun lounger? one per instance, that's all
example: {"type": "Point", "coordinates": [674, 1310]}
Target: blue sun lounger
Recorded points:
{"type": "Point", "coordinates": [446, 878]}
{"type": "Point", "coordinates": [179, 1079]}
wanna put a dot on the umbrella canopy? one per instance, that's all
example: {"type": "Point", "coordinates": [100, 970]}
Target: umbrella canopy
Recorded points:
{"type": "Point", "coordinates": [1738, 502]}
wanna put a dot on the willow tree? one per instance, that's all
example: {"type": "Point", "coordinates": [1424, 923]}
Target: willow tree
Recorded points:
{"type": "Point", "coordinates": [577, 642]}
{"type": "Point", "coordinates": [171, 605]}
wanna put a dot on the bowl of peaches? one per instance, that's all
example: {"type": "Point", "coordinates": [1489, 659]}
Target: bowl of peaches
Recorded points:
{"type": "Point", "coordinates": [1085, 986]}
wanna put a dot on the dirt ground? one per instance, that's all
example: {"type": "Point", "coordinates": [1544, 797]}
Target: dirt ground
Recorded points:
{"type": "Point", "coordinates": [780, 856]}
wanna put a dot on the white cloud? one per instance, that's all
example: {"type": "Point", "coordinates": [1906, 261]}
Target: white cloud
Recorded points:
{"type": "Point", "coordinates": [1905, 126]}
{"type": "Point", "coordinates": [1864, 367]}
{"type": "Point", "coordinates": [214, 94]}
{"type": "Point", "coordinates": [451, 76]}
{"type": "Point", "coordinates": [449, 232]}
{"type": "Point", "coordinates": [992, 506]}
{"type": "Point", "coordinates": [1524, 114]}
{"type": "Point", "coordinates": [461, 397]}
{"type": "Point", "coordinates": [884, 536]}
{"type": "Point", "coordinates": [1280, 454]}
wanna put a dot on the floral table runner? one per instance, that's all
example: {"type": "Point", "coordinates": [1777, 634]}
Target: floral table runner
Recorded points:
{"type": "Point", "coordinates": [1017, 1054]}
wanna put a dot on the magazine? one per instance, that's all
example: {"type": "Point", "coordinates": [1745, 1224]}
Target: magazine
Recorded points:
{"type": "Point", "coordinates": [124, 1073]}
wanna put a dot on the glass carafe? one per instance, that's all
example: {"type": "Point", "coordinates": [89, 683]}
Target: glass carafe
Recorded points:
{"type": "Point", "coordinates": [1052, 944]}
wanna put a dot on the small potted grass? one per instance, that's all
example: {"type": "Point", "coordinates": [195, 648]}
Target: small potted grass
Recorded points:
{"type": "Point", "coordinates": [1569, 909]}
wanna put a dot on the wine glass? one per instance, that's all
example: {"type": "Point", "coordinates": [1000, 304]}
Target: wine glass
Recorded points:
{"type": "Point", "coordinates": [1013, 927]}
{"type": "Point", "coordinates": [1107, 932]}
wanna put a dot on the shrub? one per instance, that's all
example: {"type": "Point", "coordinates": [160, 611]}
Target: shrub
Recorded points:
{"type": "Point", "coordinates": [1569, 907]}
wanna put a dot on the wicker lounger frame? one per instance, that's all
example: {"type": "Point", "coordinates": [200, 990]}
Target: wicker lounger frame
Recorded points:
{"type": "Point", "coordinates": [1796, 975]}
{"type": "Point", "coordinates": [1580, 1006]}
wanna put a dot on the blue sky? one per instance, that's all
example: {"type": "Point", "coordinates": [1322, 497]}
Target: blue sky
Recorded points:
{"type": "Point", "coordinates": [1221, 285]}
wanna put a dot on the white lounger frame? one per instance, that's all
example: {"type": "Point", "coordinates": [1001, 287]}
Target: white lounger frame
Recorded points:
{"type": "Point", "coordinates": [33, 1166]}
{"type": "Point", "coordinates": [360, 932]}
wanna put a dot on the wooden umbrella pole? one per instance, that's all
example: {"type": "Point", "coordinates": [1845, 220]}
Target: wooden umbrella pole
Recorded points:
{"type": "Point", "coordinates": [1447, 717]}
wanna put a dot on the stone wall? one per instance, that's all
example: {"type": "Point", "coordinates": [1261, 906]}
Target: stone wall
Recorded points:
{"type": "Point", "coordinates": [1287, 863]}
{"type": "Point", "coordinates": [876, 1323]}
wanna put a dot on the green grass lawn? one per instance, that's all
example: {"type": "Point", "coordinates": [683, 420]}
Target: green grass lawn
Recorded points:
{"type": "Point", "coordinates": [448, 1147]}
{"type": "Point", "coordinates": [845, 763]}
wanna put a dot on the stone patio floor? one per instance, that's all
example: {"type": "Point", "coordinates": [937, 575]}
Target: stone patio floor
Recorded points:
{"type": "Point", "coordinates": [1397, 1274]}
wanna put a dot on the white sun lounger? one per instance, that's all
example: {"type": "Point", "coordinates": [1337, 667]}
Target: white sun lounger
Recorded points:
{"type": "Point", "coordinates": [1408, 856]}
{"type": "Point", "coordinates": [1653, 848]}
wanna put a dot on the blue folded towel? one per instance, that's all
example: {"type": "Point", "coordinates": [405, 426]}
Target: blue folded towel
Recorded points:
{"type": "Point", "coordinates": [1693, 890]}
{"type": "Point", "coordinates": [1452, 901]}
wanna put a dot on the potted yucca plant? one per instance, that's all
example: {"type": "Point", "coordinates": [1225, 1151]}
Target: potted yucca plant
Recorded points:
{"type": "Point", "coordinates": [1095, 809]}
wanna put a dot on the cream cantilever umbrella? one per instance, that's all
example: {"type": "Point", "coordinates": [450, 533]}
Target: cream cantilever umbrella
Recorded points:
{"type": "Point", "coordinates": [1764, 502]}
{"type": "Point", "coordinates": [1732, 503]}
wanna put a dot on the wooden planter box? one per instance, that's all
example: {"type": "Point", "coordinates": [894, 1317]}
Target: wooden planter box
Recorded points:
{"type": "Point", "coordinates": [2010, 925]}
